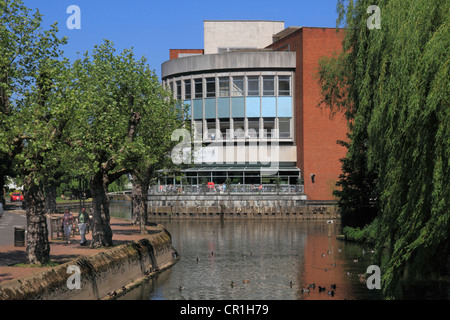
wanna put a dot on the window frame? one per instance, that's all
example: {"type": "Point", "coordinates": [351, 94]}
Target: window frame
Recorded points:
{"type": "Point", "coordinates": [223, 80]}
{"type": "Point", "coordinates": [187, 91]}
{"type": "Point", "coordinates": [266, 80]}
{"type": "Point", "coordinates": [210, 83]}
{"type": "Point", "coordinates": [282, 92]}
{"type": "Point", "coordinates": [198, 83]}
{"type": "Point", "coordinates": [251, 92]}
{"type": "Point", "coordinates": [241, 91]}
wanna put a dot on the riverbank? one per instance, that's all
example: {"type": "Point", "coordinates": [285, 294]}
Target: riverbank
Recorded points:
{"type": "Point", "coordinates": [103, 270]}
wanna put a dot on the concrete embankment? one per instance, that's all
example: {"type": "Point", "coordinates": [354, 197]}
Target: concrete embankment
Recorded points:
{"type": "Point", "coordinates": [240, 206]}
{"type": "Point", "coordinates": [99, 276]}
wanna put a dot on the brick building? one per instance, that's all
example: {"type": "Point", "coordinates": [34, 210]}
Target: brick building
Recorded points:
{"type": "Point", "coordinates": [316, 132]}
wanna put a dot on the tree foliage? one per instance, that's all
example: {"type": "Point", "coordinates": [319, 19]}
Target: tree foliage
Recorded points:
{"type": "Point", "coordinates": [62, 121]}
{"type": "Point", "coordinates": [393, 84]}
{"type": "Point", "coordinates": [123, 122]}
{"type": "Point", "coordinates": [32, 116]}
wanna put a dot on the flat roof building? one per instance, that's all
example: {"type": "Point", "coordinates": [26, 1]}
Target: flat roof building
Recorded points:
{"type": "Point", "coordinates": [254, 106]}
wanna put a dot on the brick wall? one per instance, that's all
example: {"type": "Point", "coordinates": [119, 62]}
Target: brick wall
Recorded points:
{"type": "Point", "coordinates": [174, 53]}
{"type": "Point", "coordinates": [316, 132]}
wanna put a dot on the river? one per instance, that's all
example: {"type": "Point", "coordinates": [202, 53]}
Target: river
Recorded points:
{"type": "Point", "coordinates": [260, 260]}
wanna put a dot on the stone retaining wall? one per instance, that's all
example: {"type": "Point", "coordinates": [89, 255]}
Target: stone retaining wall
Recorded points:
{"type": "Point", "coordinates": [249, 206]}
{"type": "Point", "coordinates": [100, 274]}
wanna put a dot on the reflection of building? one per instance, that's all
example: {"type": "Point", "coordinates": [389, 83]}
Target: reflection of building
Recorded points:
{"type": "Point", "coordinates": [253, 103]}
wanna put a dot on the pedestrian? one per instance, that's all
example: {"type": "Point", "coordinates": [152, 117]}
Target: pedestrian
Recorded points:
{"type": "Point", "coordinates": [83, 220]}
{"type": "Point", "coordinates": [68, 223]}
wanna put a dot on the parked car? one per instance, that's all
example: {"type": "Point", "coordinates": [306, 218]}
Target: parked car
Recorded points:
{"type": "Point", "coordinates": [16, 197]}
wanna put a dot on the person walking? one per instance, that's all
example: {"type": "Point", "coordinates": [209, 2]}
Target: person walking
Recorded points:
{"type": "Point", "coordinates": [83, 220]}
{"type": "Point", "coordinates": [68, 223]}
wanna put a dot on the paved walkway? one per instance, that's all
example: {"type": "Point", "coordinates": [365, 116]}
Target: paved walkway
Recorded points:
{"type": "Point", "coordinates": [13, 259]}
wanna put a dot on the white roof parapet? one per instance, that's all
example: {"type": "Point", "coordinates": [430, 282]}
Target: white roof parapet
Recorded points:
{"type": "Point", "coordinates": [237, 60]}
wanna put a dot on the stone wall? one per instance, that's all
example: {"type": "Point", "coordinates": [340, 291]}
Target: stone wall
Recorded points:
{"type": "Point", "coordinates": [248, 206]}
{"type": "Point", "coordinates": [100, 274]}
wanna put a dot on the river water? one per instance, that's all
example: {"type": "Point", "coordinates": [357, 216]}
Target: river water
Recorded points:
{"type": "Point", "coordinates": [266, 260]}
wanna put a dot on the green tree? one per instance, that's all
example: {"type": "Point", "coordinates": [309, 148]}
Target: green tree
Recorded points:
{"type": "Point", "coordinates": [32, 116]}
{"type": "Point", "coordinates": [154, 145]}
{"type": "Point", "coordinates": [393, 85]}
{"type": "Point", "coordinates": [20, 32]}
{"type": "Point", "coordinates": [118, 96]}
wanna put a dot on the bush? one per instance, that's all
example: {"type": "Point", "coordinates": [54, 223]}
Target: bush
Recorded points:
{"type": "Point", "coordinates": [367, 234]}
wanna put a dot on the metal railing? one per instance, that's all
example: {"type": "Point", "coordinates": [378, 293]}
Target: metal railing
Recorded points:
{"type": "Point", "coordinates": [224, 189]}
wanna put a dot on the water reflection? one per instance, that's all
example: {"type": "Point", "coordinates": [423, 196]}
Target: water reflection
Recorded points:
{"type": "Point", "coordinates": [266, 260]}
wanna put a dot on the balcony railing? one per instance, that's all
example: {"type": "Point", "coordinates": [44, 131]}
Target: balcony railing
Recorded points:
{"type": "Point", "coordinates": [224, 189]}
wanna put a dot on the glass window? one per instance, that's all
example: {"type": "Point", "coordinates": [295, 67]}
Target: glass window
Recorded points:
{"type": "Point", "coordinates": [187, 89]}
{"type": "Point", "coordinates": [224, 87]}
{"type": "Point", "coordinates": [198, 129]}
{"type": "Point", "coordinates": [198, 83]}
{"type": "Point", "coordinates": [268, 85]}
{"type": "Point", "coordinates": [269, 126]}
{"type": "Point", "coordinates": [284, 85]}
{"type": "Point", "coordinates": [210, 87]}
{"type": "Point", "coordinates": [238, 127]}
{"type": "Point", "coordinates": [238, 86]}
{"type": "Point", "coordinates": [284, 127]}
{"type": "Point", "coordinates": [211, 127]}
{"type": "Point", "coordinates": [253, 127]}
{"type": "Point", "coordinates": [225, 128]}
{"type": "Point", "coordinates": [253, 85]}
{"type": "Point", "coordinates": [178, 90]}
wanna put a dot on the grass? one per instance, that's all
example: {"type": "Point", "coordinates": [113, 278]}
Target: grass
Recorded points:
{"type": "Point", "coordinates": [48, 264]}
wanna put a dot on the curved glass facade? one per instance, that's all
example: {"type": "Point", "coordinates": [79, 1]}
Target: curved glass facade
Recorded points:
{"type": "Point", "coordinates": [238, 105]}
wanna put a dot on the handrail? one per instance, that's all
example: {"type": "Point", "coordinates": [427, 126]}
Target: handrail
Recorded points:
{"type": "Point", "coordinates": [224, 189]}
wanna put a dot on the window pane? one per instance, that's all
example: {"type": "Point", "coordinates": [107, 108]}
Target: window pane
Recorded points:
{"type": "Point", "coordinates": [269, 85]}
{"type": "Point", "coordinates": [238, 128]}
{"type": "Point", "coordinates": [187, 89]}
{"type": "Point", "coordinates": [238, 86]}
{"type": "Point", "coordinates": [253, 127]}
{"type": "Point", "coordinates": [284, 87]}
{"type": "Point", "coordinates": [224, 87]}
{"type": "Point", "coordinates": [285, 127]}
{"type": "Point", "coordinates": [198, 88]}
{"type": "Point", "coordinates": [210, 87]}
{"type": "Point", "coordinates": [211, 127]}
{"type": "Point", "coordinates": [198, 129]}
{"type": "Point", "coordinates": [269, 126]}
{"type": "Point", "coordinates": [225, 129]}
{"type": "Point", "coordinates": [253, 85]}
{"type": "Point", "coordinates": [179, 90]}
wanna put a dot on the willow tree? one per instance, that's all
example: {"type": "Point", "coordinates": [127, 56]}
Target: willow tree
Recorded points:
{"type": "Point", "coordinates": [117, 95]}
{"type": "Point", "coordinates": [394, 84]}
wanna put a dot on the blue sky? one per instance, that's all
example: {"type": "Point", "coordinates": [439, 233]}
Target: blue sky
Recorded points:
{"type": "Point", "coordinates": [152, 28]}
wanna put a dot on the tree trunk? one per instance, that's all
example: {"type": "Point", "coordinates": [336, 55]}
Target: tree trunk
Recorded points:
{"type": "Point", "coordinates": [38, 247]}
{"type": "Point", "coordinates": [135, 202]}
{"type": "Point", "coordinates": [50, 198]}
{"type": "Point", "coordinates": [101, 229]}
{"type": "Point", "coordinates": [139, 199]}
{"type": "Point", "coordinates": [2, 188]}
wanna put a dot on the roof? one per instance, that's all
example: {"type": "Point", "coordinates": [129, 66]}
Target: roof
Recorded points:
{"type": "Point", "coordinates": [284, 33]}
